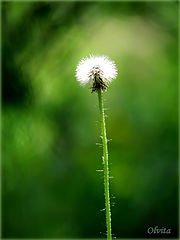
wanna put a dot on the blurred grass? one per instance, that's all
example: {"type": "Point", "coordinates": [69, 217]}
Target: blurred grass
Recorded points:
{"type": "Point", "coordinates": [50, 124]}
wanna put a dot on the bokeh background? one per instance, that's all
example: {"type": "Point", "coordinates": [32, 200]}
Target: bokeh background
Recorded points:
{"type": "Point", "coordinates": [50, 186]}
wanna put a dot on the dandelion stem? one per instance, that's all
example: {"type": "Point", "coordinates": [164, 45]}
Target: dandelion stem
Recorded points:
{"type": "Point", "coordinates": [106, 167]}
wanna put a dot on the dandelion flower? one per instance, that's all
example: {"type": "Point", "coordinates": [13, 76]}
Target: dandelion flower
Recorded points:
{"type": "Point", "coordinates": [99, 71]}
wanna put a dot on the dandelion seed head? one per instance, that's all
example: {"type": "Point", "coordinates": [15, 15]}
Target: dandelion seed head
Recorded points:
{"type": "Point", "coordinates": [96, 70]}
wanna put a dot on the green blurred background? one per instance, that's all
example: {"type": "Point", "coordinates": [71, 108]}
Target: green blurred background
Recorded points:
{"type": "Point", "coordinates": [51, 188]}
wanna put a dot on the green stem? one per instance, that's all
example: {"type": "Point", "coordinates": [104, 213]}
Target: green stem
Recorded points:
{"type": "Point", "coordinates": [106, 167]}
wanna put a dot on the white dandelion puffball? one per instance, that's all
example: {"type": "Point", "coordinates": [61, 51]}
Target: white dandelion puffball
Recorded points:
{"type": "Point", "coordinates": [97, 70]}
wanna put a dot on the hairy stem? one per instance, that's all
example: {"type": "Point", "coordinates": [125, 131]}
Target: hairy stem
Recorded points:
{"type": "Point", "coordinates": [106, 167]}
